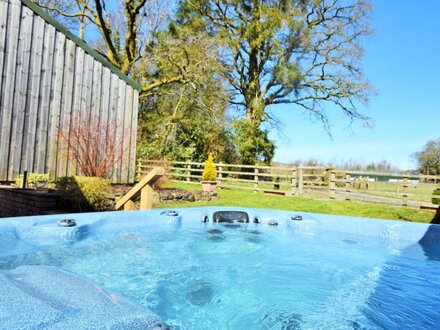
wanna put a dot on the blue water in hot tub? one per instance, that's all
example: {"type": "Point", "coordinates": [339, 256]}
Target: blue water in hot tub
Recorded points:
{"type": "Point", "coordinates": [323, 272]}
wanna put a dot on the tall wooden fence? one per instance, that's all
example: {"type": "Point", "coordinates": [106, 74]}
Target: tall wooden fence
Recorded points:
{"type": "Point", "coordinates": [48, 77]}
{"type": "Point", "coordinates": [315, 181]}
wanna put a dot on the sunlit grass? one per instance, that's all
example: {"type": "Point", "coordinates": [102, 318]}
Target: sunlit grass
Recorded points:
{"type": "Point", "coordinates": [418, 192]}
{"type": "Point", "coordinates": [244, 198]}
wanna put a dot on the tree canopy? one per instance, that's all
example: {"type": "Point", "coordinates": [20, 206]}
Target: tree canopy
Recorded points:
{"type": "Point", "coordinates": [301, 52]}
{"type": "Point", "coordinates": [226, 62]}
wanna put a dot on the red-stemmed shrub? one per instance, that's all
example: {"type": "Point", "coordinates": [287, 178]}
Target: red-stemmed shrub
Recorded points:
{"type": "Point", "coordinates": [93, 145]}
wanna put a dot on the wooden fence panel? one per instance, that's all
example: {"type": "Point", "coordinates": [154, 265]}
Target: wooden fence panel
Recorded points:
{"type": "Point", "coordinates": [113, 109]}
{"type": "Point", "coordinates": [3, 57]}
{"type": "Point", "coordinates": [105, 96]}
{"type": "Point", "coordinates": [120, 115]}
{"type": "Point", "coordinates": [134, 117]}
{"type": "Point", "coordinates": [66, 112]}
{"type": "Point", "coordinates": [317, 181]}
{"type": "Point", "coordinates": [55, 103]}
{"type": "Point", "coordinates": [36, 53]}
{"type": "Point", "coordinates": [20, 108]}
{"type": "Point", "coordinates": [125, 161]}
{"type": "Point", "coordinates": [49, 78]}
{"type": "Point", "coordinates": [258, 178]}
{"type": "Point", "coordinates": [8, 77]}
{"type": "Point", "coordinates": [3, 23]}
{"type": "Point", "coordinates": [42, 131]}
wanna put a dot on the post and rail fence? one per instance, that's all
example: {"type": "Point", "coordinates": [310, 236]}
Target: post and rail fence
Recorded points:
{"type": "Point", "coordinates": [315, 181]}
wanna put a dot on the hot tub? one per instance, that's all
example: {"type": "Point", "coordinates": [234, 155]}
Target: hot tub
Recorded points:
{"type": "Point", "coordinates": [269, 270]}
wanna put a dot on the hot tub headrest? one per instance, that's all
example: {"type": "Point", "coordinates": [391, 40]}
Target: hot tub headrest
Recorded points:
{"type": "Point", "coordinates": [230, 216]}
{"type": "Point", "coordinates": [38, 295]}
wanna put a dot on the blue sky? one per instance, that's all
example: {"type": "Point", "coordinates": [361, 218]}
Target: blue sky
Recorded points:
{"type": "Point", "coordinates": [403, 63]}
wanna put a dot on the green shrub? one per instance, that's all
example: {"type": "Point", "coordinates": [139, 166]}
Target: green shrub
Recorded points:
{"type": "Point", "coordinates": [436, 200]}
{"type": "Point", "coordinates": [84, 193]}
{"type": "Point", "coordinates": [209, 172]}
{"type": "Point", "coordinates": [32, 178]}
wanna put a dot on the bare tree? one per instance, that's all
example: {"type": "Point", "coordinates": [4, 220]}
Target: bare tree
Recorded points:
{"type": "Point", "coordinates": [57, 8]}
{"type": "Point", "coordinates": [127, 35]}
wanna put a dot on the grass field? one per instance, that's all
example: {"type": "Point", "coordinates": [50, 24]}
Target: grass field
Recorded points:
{"type": "Point", "coordinates": [244, 198]}
{"type": "Point", "coordinates": [420, 192]}
{"type": "Point", "coordinates": [417, 192]}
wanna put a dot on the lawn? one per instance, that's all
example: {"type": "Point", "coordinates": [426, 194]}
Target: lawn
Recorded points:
{"type": "Point", "coordinates": [418, 192]}
{"type": "Point", "coordinates": [244, 198]}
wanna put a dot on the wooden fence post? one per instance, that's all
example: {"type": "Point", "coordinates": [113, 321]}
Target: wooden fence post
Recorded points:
{"type": "Point", "coordinates": [405, 191]}
{"type": "Point", "coordinates": [300, 181]}
{"type": "Point", "coordinates": [188, 172]}
{"type": "Point", "coordinates": [220, 174]}
{"type": "Point", "coordinates": [256, 180]}
{"type": "Point", "coordinates": [348, 187]}
{"type": "Point", "coordinates": [332, 183]}
{"type": "Point", "coordinates": [293, 182]}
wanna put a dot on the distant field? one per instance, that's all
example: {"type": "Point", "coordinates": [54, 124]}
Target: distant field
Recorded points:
{"type": "Point", "coordinates": [245, 198]}
{"type": "Point", "coordinates": [419, 192]}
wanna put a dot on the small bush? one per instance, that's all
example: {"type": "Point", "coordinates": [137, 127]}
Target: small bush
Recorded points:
{"type": "Point", "coordinates": [436, 200]}
{"type": "Point", "coordinates": [209, 172]}
{"type": "Point", "coordinates": [32, 178]}
{"type": "Point", "coordinates": [84, 193]}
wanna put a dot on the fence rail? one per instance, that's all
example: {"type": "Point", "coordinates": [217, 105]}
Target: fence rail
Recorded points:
{"type": "Point", "coordinates": [383, 188]}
